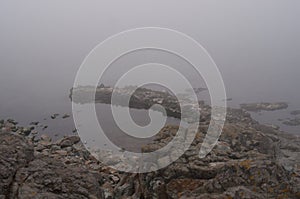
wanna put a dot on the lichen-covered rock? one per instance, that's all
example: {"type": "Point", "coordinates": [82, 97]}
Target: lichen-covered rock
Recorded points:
{"type": "Point", "coordinates": [51, 178]}
{"type": "Point", "coordinates": [23, 175]}
{"type": "Point", "coordinates": [15, 153]}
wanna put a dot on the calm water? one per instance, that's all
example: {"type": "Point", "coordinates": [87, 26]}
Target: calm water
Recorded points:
{"type": "Point", "coordinates": [42, 45]}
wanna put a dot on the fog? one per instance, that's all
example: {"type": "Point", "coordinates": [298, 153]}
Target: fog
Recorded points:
{"type": "Point", "coordinates": [255, 44]}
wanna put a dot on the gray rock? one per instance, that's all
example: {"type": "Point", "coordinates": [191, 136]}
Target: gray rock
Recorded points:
{"type": "Point", "coordinates": [15, 153]}
{"type": "Point", "coordinates": [295, 112]}
{"type": "Point", "coordinates": [69, 141]}
{"type": "Point", "coordinates": [45, 138]}
{"type": "Point", "coordinates": [48, 177]}
{"type": "Point", "coordinates": [34, 123]}
{"type": "Point", "coordinates": [12, 121]}
{"type": "Point", "coordinates": [54, 116]}
{"type": "Point", "coordinates": [292, 122]}
{"type": "Point", "coordinates": [264, 106]}
{"type": "Point", "coordinates": [65, 116]}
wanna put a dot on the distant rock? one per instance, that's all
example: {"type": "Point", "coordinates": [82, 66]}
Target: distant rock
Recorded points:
{"type": "Point", "coordinates": [227, 99]}
{"type": "Point", "coordinates": [292, 122]}
{"type": "Point", "coordinates": [54, 116]}
{"type": "Point", "coordinates": [34, 123]}
{"type": "Point", "coordinates": [264, 106]}
{"type": "Point", "coordinates": [65, 116]}
{"type": "Point", "coordinates": [196, 90]}
{"type": "Point", "coordinates": [295, 112]}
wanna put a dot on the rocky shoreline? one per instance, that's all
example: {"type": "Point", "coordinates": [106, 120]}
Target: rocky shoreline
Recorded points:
{"type": "Point", "coordinates": [250, 161]}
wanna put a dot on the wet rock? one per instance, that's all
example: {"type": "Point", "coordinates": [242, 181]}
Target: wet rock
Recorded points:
{"type": "Point", "coordinates": [12, 121]}
{"type": "Point", "coordinates": [65, 116]}
{"type": "Point", "coordinates": [26, 131]}
{"type": "Point", "coordinates": [54, 116]}
{"type": "Point", "coordinates": [34, 123]}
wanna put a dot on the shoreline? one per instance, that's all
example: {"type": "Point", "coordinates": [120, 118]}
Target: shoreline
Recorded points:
{"type": "Point", "coordinates": [242, 163]}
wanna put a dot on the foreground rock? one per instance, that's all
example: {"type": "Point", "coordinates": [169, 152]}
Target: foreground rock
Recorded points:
{"type": "Point", "coordinates": [15, 153]}
{"type": "Point", "coordinates": [27, 173]}
{"type": "Point", "coordinates": [249, 161]}
{"type": "Point", "coordinates": [264, 106]}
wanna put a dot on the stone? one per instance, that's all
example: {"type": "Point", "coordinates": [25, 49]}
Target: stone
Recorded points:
{"type": "Point", "coordinates": [12, 121]}
{"type": "Point", "coordinates": [54, 116]}
{"type": "Point", "coordinates": [65, 116]}
{"type": "Point", "coordinates": [295, 112]}
{"type": "Point", "coordinates": [45, 138]}
{"type": "Point", "coordinates": [61, 152]}
{"type": "Point", "coordinates": [292, 122]}
{"type": "Point", "coordinates": [34, 123]}
{"type": "Point", "coordinates": [26, 131]}
{"type": "Point", "coordinates": [69, 141]}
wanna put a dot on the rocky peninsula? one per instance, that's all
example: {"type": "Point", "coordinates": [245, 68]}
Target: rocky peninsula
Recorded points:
{"type": "Point", "coordinates": [141, 98]}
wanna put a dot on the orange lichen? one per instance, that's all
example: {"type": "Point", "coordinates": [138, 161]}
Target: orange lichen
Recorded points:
{"type": "Point", "coordinates": [246, 164]}
{"type": "Point", "coordinates": [185, 184]}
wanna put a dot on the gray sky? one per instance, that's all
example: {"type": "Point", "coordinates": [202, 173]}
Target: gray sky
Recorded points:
{"type": "Point", "coordinates": [255, 43]}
